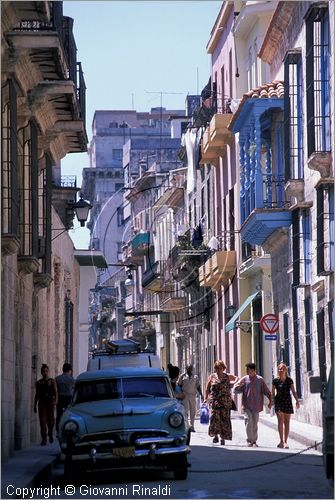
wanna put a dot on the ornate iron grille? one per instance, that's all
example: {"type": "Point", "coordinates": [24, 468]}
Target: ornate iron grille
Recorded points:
{"type": "Point", "coordinates": [9, 195]}
{"type": "Point", "coordinates": [317, 77]}
{"type": "Point", "coordinates": [293, 127]}
{"type": "Point", "coordinates": [28, 189]}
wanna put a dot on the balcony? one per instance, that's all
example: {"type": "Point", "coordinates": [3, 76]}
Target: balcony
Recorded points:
{"type": "Point", "coordinates": [173, 303]}
{"type": "Point", "coordinates": [151, 280]}
{"type": "Point", "coordinates": [219, 133]}
{"type": "Point", "coordinates": [215, 138]}
{"type": "Point", "coordinates": [42, 45]}
{"type": "Point", "coordinates": [140, 244]}
{"type": "Point", "coordinates": [139, 328]}
{"type": "Point", "coordinates": [254, 263]}
{"type": "Point", "coordinates": [185, 261]}
{"type": "Point", "coordinates": [172, 196]}
{"type": "Point", "coordinates": [129, 258]}
{"type": "Point", "coordinates": [64, 193]}
{"type": "Point", "coordinates": [264, 204]}
{"type": "Point", "coordinates": [208, 154]}
{"type": "Point", "coordinates": [271, 210]}
{"type": "Point", "coordinates": [218, 269]}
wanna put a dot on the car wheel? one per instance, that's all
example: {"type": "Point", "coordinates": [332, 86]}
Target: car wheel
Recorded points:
{"type": "Point", "coordinates": [188, 437]}
{"type": "Point", "coordinates": [180, 470]}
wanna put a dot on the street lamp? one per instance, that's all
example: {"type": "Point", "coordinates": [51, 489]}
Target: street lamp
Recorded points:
{"type": "Point", "coordinates": [82, 208]}
{"type": "Point", "coordinates": [129, 281]}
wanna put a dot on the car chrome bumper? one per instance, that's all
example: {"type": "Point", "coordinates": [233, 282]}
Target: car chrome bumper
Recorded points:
{"type": "Point", "coordinates": [151, 452]}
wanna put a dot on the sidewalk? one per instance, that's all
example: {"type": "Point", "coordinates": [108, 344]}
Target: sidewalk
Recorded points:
{"type": "Point", "coordinates": [28, 467]}
{"type": "Point", "coordinates": [306, 434]}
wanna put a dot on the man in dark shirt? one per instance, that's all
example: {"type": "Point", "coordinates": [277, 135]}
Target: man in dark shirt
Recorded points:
{"type": "Point", "coordinates": [65, 384]}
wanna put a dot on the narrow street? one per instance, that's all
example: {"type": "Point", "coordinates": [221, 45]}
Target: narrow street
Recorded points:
{"type": "Point", "coordinates": [232, 471]}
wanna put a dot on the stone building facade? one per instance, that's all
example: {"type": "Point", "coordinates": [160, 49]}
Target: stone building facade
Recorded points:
{"type": "Point", "coordinates": [43, 116]}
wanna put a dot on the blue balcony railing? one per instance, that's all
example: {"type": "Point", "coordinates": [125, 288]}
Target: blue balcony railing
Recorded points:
{"type": "Point", "coordinates": [270, 211]}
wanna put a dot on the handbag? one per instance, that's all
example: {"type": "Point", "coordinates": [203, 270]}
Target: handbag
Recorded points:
{"type": "Point", "coordinates": [204, 414]}
{"type": "Point", "coordinates": [233, 405]}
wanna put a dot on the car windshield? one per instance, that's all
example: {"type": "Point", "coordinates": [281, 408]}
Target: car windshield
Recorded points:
{"type": "Point", "coordinates": [136, 387]}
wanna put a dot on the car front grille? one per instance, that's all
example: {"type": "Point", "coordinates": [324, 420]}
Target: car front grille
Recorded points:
{"type": "Point", "coordinates": [122, 438]}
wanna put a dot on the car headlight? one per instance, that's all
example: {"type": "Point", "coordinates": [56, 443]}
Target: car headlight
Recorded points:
{"type": "Point", "coordinates": [71, 426]}
{"type": "Point", "coordinates": [176, 419]}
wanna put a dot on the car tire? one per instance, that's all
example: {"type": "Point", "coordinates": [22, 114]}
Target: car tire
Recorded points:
{"type": "Point", "coordinates": [181, 468]}
{"type": "Point", "coordinates": [188, 437]}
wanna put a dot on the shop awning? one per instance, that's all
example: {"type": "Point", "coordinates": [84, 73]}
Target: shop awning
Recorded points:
{"type": "Point", "coordinates": [231, 323]}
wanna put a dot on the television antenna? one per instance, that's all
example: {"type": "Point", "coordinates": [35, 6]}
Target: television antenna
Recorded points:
{"type": "Point", "coordinates": [161, 93]}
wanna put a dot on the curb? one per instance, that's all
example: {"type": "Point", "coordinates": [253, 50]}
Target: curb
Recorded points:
{"type": "Point", "coordinates": [294, 435]}
{"type": "Point", "coordinates": [31, 477]}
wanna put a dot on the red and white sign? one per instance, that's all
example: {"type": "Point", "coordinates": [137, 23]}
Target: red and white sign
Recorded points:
{"type": "Point", "coordinates": [269, 323]}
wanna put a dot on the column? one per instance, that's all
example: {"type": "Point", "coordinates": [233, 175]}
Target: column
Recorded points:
{"type": "Point", "coordinates": [258, 165]}
{"type": "Point", "coordinates": [247, 172]}
{"type": "Point", "coordinates": [242, 178]}
{"type": "Point", "coordinates": [269, 178]}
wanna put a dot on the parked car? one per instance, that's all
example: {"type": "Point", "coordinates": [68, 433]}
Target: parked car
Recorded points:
{"type": "Point", "coordinates": [124, 352]}
{"type": "Point", "coordinates": [124, 417]}
{"type": "Point", "coordinates": [327, 395]}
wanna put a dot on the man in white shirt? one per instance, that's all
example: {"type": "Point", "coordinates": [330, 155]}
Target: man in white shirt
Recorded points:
{"type": "Point", "coordinates": [190, 385]}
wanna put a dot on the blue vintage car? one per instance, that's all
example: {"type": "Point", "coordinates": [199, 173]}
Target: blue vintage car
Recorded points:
{"type": "Point", "coordinates": [124, 417]}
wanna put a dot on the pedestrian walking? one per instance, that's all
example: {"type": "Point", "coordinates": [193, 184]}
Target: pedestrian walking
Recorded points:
{"type": "Point", "coordinates": [190, 385]}
{"type": "Point", "coordinates": [218, 392]}
{"type": "Point", "coordinates": [282, 387]}
{"type": "Point", "coordinates": [65, 385]}
{"type": "Point", "coordinates": [174, 374]}
{"type": "Point", "coordinates": [46, 400]}
{"type": "Point", "coordinates": [253, 389]}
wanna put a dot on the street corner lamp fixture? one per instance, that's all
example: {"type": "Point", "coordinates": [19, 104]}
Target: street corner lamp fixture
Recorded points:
{"type": "Point", "coordinates": [81, 209]}
{"type": "Point", "coordinates": [129, 280]}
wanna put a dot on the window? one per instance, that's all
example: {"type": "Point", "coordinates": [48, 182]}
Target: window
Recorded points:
{"type": "Point", "coordinates": [145, 387]}
{"type": "Point", "coordinates": [120, 219]}
{"type": "Point", "coordinates": [331, 227]}
{"type": "Point", "coordinates": [117, 154]}
{"type": "Point", "coordinates": [127, 175]}
{"type": "Point", "coordinates": [293, 127]}
{"type": "Point", "coordinates": [230, 93]}
{"type": "Point", "coordinates": [296, 246]}
{"type": "Point", "coordinates": [317, 77]}
{"type": "Point", "coordinates": [319, 231]}
{"type": "Point", "coordinates": [223, 91]}
{"type": "Point", "coordinates": [231, 220]}
{"type": "Point", "coordinates": [296, 336]}
{"type": "Point", "coordinates": [9, 195]}
{"type": "Point", "coordinates": [208, 203]}
{"type": "Point", "coordinates": [331, 326]}
{"type": "Point", "coordinates": [68, 330]}
{"type": "Point", "coordinates": [320, 322]}
{"type": "Point", "coordinates": [306, 239]}
{"type": "Point", "coordinates": [308, 332]}
{"type": "Point", "coordinates": [202, 201]}
{"type": "Point", "coordinates": [286, 355]}
{"type": "Point", "coordinates": [325, 228]}
{"type": "Point", "coordinates": [28, 187]}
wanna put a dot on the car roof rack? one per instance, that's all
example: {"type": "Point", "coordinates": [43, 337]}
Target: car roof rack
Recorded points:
{"type": "Point", "coordinates": [123, 346]}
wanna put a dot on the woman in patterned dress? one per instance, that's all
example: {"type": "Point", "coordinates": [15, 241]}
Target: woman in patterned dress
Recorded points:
{"type": "Point", "coordinates": [283, 385]}
{"type": "Point", "coordinates": [219, 394]}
